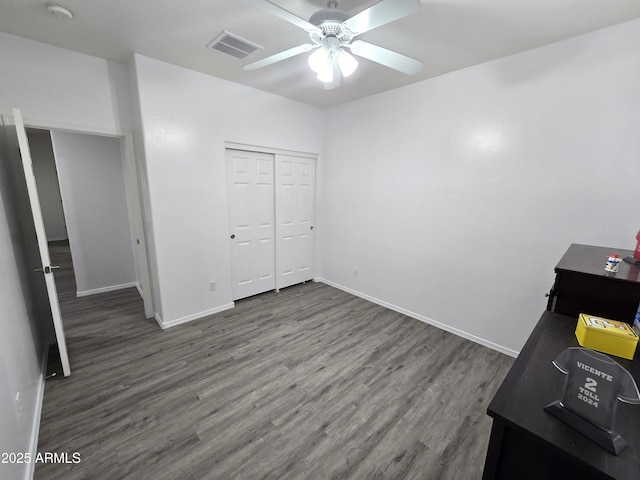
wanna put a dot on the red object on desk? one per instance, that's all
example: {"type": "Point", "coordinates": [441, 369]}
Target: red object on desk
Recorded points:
{"type": "Point", "coordinates": [636, 254]}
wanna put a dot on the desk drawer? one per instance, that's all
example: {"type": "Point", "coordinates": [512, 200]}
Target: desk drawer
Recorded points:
{"type": "Point", "coordinates": [573, 305]}
{"type": "Point", "coordinates": [606, 288]}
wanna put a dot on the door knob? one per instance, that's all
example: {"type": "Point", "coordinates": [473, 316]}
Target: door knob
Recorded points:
{"type": "Point", "coordinates": [233, 236]}
{"type": "Point", "coordinates": [47, 269]}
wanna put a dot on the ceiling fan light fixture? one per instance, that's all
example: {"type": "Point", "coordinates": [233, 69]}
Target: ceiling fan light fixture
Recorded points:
{"type": "Point", "coordinates": [331, 31]}
{"type": "Point", "coordinates": [323, 59]}
{"type": "Point", "coordinates": [320, 59]}
{"type": "Point", "coordinates": [347, 63]}
{"type": "Point", "coordinates": [326, 74]}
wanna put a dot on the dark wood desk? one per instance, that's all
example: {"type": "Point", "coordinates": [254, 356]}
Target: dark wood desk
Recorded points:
{"type": "Point", "coordinates": [528, 443]}
{"type": "Point", "coordinates": [583, 286]}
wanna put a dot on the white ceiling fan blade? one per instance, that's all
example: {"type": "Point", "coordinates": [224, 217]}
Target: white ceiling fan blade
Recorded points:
{"type": "Point", "coordinates": [335, 81]}
{"type": "Point", "coordinates": [383, 12]}
{"type": "Point", "coordinates": [292, 52]}
{"type": "Point", "coordinates": [274, 9]}
{"type": "Point", "coordinates": [389, 58]}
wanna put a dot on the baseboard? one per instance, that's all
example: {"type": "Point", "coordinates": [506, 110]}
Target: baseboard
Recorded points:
{"type": "Point", "coordinates": [190, 318]}
{"type": "Point", "coordinates": [422, 318]}
{"type": "Point", "coordinates": [139, 288]}
{"type": "Point", "coordinates": [37, 416]}
{"type": "Point", "coordinates": [112, 288]}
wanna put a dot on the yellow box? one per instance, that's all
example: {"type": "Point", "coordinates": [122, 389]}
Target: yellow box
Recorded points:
{"type": "Point", "coordinates": [606, 336]}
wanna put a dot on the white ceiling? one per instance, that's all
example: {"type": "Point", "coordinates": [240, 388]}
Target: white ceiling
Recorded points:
{"type": "Point", "coordinates": [446, 35]}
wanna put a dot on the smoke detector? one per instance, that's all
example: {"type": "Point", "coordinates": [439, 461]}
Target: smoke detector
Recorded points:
{"type": "Point", "coordinates": [59, 11]}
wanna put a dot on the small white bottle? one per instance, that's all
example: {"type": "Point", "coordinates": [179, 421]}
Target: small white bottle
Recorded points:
{"type": "Point", "coordinates": [612, 263]}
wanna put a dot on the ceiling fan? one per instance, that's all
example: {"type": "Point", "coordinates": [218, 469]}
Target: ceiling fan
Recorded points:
{"type": "Point", "coordinates": [332, 31]}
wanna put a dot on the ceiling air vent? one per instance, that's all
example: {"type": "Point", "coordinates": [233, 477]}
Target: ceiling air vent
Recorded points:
{"type": "Point", "coordinates": [233, 45]}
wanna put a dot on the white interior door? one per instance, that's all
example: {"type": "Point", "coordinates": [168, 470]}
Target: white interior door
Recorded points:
{"type": "Point", "coordinates": [250, 182]}
{"type": "Point", "coordinates": [47, 268]}
{"type": "Point", "coordinates": [295, 217]}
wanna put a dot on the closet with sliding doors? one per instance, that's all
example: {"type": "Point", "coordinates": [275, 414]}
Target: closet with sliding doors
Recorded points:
{"type": "Point", "coordinates": [271, 220]}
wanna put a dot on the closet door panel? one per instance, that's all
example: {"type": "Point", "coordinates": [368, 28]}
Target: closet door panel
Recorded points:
{"type": "Point", "coordinates": [250, 183]}
{"type": "Point", "coordinates": [294, 216]}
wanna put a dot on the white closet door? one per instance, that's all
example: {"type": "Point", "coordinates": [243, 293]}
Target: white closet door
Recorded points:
{"type": "Point", "coordinates": [250, 183]}
{"type": "Point", "coordinates": [295, 216]}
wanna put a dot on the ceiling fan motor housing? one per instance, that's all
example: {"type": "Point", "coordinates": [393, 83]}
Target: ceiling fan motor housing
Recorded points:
{"type": "Point", "coordinates": [330, 20]}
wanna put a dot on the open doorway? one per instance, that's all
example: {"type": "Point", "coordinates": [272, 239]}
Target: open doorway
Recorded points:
{"type": "Point", "coordinates": [89, 211]}
{"type": "Point", "coordinates": [95, 208]}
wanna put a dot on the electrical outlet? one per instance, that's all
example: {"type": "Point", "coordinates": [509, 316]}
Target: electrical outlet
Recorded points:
{"type": "Point", "coordinates": [212, 286]}
{"type": "Point", "coordinates": [355, 272]}
{"type": "Point", "coordinates": [19, 406]}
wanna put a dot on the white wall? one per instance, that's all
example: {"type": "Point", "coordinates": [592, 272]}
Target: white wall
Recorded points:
{"type": "Point", "coordinates": [44, 168]}
{"type": "Point", "coordinates": [62, 89]}
{"type": "Point", "coordinates": [456, 197]}
{"type": "Point", "coordinates": [186, 117]}
{"type": "Point", "coordinates": [21, 338]}
{"type": "Point", "coordinates": [92, 184]}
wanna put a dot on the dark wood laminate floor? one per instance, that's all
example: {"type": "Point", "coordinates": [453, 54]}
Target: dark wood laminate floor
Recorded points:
{"type": "Point", "coordinates": [308, 383]}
